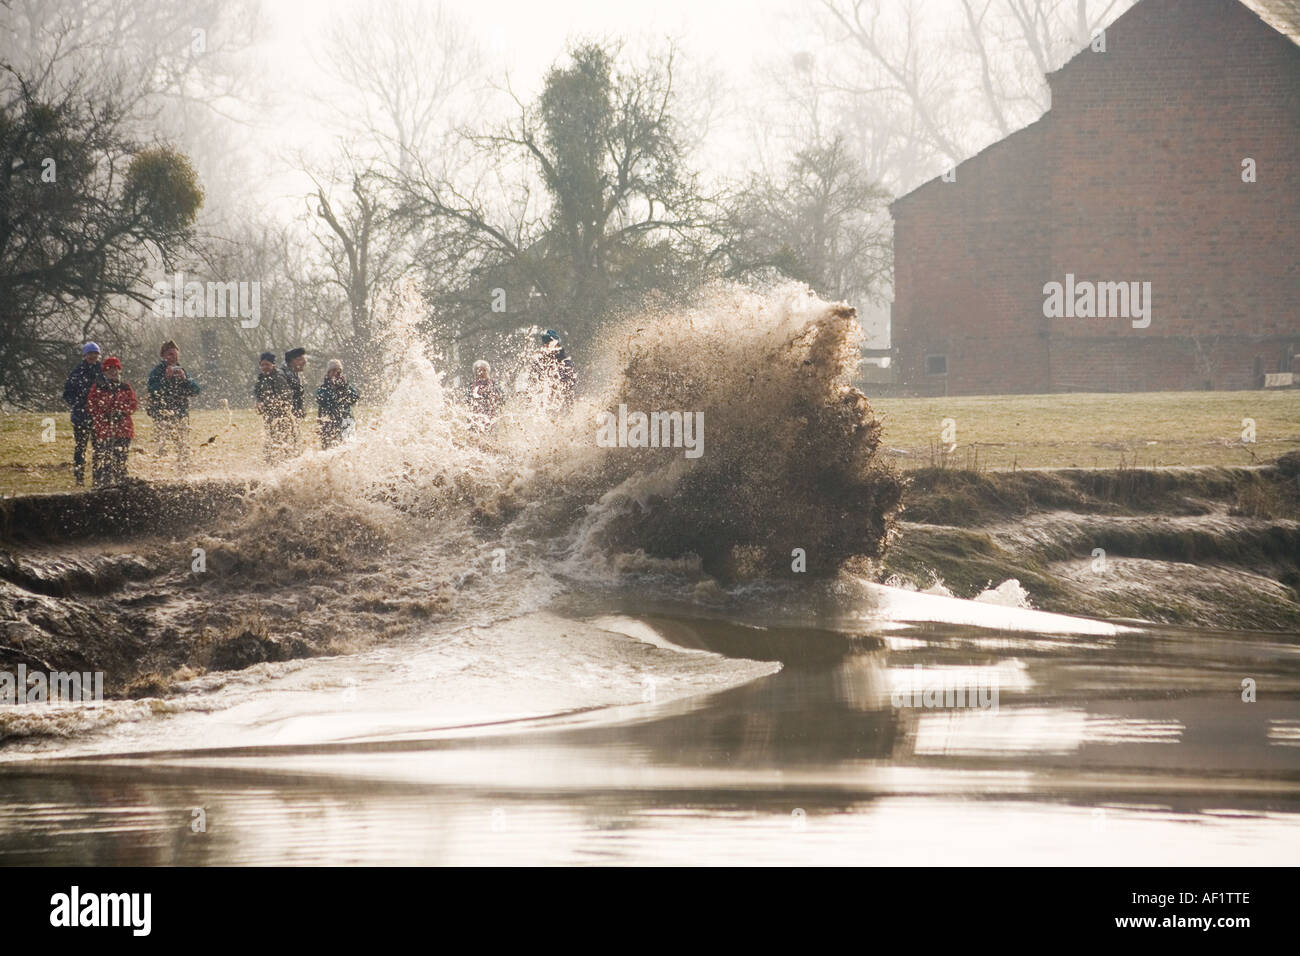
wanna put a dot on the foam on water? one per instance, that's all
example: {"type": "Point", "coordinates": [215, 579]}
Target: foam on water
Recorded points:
{"type": "Point", "coordinates": [532, 666]}
{"type": "Point", "coordinates": [881, 603]}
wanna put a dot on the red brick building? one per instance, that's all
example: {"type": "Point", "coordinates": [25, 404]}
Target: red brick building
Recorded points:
{"type": "Point", "coordinates": [1137, 173]}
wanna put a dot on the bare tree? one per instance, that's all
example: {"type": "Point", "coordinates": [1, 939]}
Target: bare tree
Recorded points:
{"type": "Point", "coordinates": [409, 73]}
{"type": "Point", "coordinates": [86, 212]}
{"type": "Point", "coordinates": [364, 244]}
{"type": "Point", "coordinates": [183, 71]}
{"type": "Point", "coordinates": [151, 55]}
{"type": "Point", "coordinates": [295, 308]}
{"type": "Point", "coordinates": [950, 85]}
{"type": "Point", "coordinates": [822, 222]}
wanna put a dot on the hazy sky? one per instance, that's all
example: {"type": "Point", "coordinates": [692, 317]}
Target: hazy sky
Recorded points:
{"type": "Point", "coordinates": [528, 35]}
{"type": "Point", "coordinates": [735, 38]}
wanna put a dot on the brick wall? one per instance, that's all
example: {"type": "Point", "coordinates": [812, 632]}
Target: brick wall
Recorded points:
{"type": "Point", "coordinates": [967, 257]}
{"type": "Point", "coordinates": [1133, 175]}
{"type": "Point", "coordinates": [1163, 364]}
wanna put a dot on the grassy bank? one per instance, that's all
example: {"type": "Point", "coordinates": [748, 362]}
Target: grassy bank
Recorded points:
{"type": "Point", "coordinates": [992, 433]}
{"type": "Point", "coordinates": [225, 445]}
{"type": "Point", "coordinates": [1148, 429]}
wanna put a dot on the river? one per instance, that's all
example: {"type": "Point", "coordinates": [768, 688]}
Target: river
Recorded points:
{"type": "Point", "coordinates": [585, 734]}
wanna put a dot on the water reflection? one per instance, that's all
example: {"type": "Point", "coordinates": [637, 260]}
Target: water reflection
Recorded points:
{"type": "Point", "coordinates": [1131, 748]}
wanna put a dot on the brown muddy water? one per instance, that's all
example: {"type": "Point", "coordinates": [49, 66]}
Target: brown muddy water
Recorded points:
{"type": "Point", "coordinates": [436, 645]}
{"type": "Point", "coordinates": [627, 735]}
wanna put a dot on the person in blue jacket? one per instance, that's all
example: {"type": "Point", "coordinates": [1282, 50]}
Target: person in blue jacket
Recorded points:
{"type": "Point", "coordinates": [75, 391]}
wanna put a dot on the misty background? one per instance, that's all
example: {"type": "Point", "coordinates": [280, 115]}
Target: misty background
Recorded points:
{"type": "Point", "coordinates": [519, 165]}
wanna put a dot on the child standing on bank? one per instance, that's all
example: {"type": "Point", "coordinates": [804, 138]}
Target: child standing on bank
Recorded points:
{"type": "Point", "coordinates": [111, 402]}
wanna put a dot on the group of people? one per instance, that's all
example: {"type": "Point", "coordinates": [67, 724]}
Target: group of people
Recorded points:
{"type": "Point", "coordinates": [102, 403]}
{"type": "Point", "coordinates": [278, 394]}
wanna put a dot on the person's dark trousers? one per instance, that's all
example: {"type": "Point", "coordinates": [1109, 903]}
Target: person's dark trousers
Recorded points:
{"type": "Point", "coordinates": [101, 464]}
{"type": "Point", "coordinates": [81, 434]}
{"type": "Point", "coordinates": [331, 432]}
{"type": "Point", "coordinates": [118, 452]}
{"type": "Point", "coordinates": [110, 461]}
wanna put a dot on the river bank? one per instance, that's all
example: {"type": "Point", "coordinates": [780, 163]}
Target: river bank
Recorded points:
{"type": "Point", "coordinates": [1211, 547]}
{"type": "Point", "coordinates": [127, 581]}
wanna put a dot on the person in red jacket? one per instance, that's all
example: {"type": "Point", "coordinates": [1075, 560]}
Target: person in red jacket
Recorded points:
{"type": "Point", "coordinates": [111, 402]}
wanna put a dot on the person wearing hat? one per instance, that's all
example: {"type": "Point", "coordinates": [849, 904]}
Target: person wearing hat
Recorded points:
{"type": "Point", "coordinates": [485, 397]}
{"type": "Point", "coordinates": [111, 402]}
{"type": "Point", "coordinates": [274, 401]}
{"type": "Point", "coordinates": [75, 393]}
{"type": "Point", "coordinates": [334, 401]}
{"type": "Point", "coordinates": [170, 389]}
{"type": "Point", "coordinates": [552, 379]}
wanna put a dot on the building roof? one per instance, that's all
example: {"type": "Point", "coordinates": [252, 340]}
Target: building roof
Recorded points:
{"type": "Point", "coordinates": [1282, 15]}
{"type": "Point", "coordinates": [1011, 140]}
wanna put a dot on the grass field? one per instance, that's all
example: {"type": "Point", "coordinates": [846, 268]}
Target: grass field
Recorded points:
{"type": "Point", "coordinates": [992, 432]}
{"type": "Point", "coordinates": [1143, 429]}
